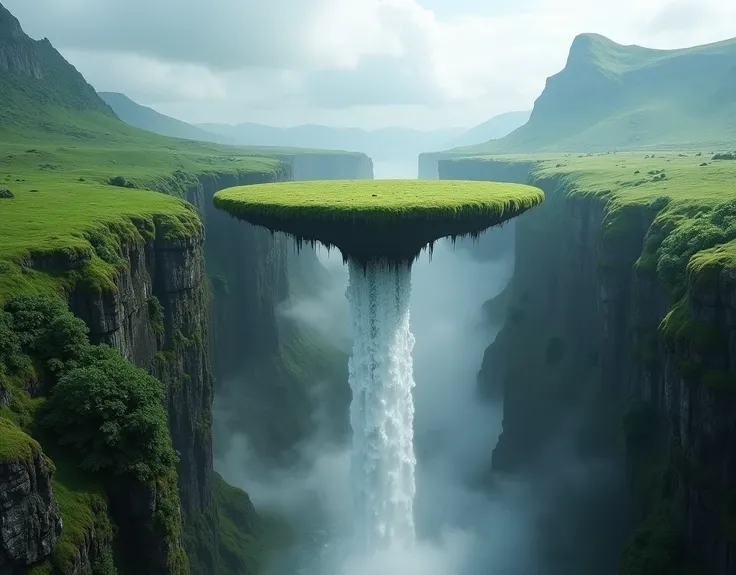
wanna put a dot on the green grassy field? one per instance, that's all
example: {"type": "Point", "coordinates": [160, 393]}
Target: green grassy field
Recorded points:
{"type": "Point", "coordinates": [369, 220]}
{"type": "Point", "coordinates": [379, 199]}
{"type": "Point", "coordinates": [61, 148]}
{"type": "Point", "coordinates": [694, 196]}
{"type": "Point", "coordinates": [689, 197]}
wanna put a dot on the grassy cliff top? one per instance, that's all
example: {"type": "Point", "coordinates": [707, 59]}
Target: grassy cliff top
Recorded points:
{"type": "Point", "coordinates": [378, 219]}
{"type": "Point", "coordinates": [686, 201]}
{"type": "Point", "coordinates": [57, 230]}
{"type": "Point", "coordinates": [692, 199]}
{"type": "Point", "coordinates": [82, 179]}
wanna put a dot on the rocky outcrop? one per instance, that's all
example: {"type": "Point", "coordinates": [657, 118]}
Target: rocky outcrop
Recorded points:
{"type": "Point", "coordinates": [587, 306]}
{"type": "Point", "coordinates": [30, 522]}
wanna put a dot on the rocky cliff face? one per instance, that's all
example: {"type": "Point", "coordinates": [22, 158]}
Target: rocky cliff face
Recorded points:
{"type": "Point", "coordinates": [167, 315]}
{"type": "Point", "coordinates": [30, 522]}
{"type": "Point", "coordinates": [247, 267]}
{"type": "Point", "coordinates": [584, 330]}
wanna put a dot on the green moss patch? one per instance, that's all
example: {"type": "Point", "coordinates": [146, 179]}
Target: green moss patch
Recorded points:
{"type": "Point", "coordinates": [374, 219]}
{"type": "Point", "coordinates": [15, 444]}
{"type": "Point", "coordinates": [83, 505]}
{"type": "Point", "coordinates": [241, 551]}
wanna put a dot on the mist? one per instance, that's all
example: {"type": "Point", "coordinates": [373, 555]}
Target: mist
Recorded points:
{"type": "Point", "coordinates": [469, 521]}
{"type": "Point", "coordinates": [396, 168]}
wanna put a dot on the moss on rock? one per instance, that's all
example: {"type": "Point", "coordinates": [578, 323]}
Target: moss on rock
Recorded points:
{"type": "Point", "coordinates": [15, 444]}
{"type": "Point", "coordinates": [374, 219]}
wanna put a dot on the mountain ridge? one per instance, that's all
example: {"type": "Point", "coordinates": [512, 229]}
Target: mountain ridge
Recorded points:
{"type": "Point", "coordinates": [612, 96]}
{"type": "Point", "coordinates": [35, 79]}
{"type": "Point", "coordinates": [146, 118]}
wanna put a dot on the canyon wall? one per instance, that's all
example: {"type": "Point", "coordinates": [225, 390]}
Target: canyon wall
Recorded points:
{"type": "Point", "coordinates": [592, 332]}
{"type": "Point", "coordinates": [185, 310]}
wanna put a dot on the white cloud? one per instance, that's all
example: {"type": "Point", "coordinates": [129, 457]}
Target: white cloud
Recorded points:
{"type": "Point", "coordinates": [360, 62]}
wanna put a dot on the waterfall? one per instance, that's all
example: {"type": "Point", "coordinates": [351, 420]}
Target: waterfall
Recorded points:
{"type": "Point", "coordinates": [382, 410]}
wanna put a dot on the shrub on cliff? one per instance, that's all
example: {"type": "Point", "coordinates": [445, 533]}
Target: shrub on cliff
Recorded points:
{"type": "Point", "coordinates": [700, 233]}
{"type": "Point", "coordinates": [111, 414]}
{"type": "Point", "coordinates": [40, 327]}
{"type": "Point", "coordinates": [12, 358]}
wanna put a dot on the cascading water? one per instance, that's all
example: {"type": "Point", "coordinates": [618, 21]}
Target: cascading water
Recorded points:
{"type": "Point", "coordinates": [382, 410]}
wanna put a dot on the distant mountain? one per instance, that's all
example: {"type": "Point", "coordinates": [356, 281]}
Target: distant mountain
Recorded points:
{"type": "Point", "coordinates": [36, 83]}
{"type": "Point", "coordinates": [610, 96]}
{"type": "Point", "coordinates": [149, 119]}
{"type": "Point", "coordinates": [497, 127]}
{"type": "Point", "coordinates": [382, 144]}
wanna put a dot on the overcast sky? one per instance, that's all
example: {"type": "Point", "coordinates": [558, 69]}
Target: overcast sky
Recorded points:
{"type": "Point", "coordinates": [366, 63]}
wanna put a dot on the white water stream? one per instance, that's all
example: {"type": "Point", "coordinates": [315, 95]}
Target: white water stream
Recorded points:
{"type": "Point", "coordinates": [382, 410]}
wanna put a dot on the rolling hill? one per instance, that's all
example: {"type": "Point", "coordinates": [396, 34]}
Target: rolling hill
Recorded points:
{"type": "Point", "coordinates": [497, 127]}
{"type": "Point", "coordinates": [615, 97]}
{"type": "Point", "coordinates": [149, 119]}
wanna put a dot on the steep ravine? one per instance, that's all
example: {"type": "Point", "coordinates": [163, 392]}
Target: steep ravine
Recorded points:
{"type": "Point", "coordinates": [584, 340]}
{"type": "Point", "coordinates": [168, 317]}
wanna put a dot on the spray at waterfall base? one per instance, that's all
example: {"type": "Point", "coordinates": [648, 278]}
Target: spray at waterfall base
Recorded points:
{"type": "Point", "coordinates": [380, 229]}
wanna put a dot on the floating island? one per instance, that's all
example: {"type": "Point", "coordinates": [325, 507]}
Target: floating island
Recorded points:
{"type": "Point", "coordinates": [378, 220]}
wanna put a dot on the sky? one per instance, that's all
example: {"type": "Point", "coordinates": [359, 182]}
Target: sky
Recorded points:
{"type": "Point", "coordinates": [424, 64]}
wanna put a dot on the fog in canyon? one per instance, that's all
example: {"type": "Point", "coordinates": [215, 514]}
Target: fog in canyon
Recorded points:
{"type": "Point", "coordinates": [563, 516]}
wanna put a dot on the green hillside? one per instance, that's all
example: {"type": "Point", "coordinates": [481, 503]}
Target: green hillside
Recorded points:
{"type": "Point", "coordinates": [149, 119]}
{"type": "Point", "coordinates": [611, 97]}
{"type": "Point", "coordinates": [497, 127]}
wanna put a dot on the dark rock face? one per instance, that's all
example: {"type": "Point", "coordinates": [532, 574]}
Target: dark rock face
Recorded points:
{"type": "Point", "coordinates": [248, 268]}
{"type": "Point", "coordinates": [173, 273]}
{"type": "Point", "coordinates": [571, 275]}
{"type": "Point", "coordinates": [30, 522]}
{"type": "Point", "coordinates": [237, 318]}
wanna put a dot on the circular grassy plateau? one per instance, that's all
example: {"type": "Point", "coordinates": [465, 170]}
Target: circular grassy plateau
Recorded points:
{"type": "Point", "coordinates": [373, 220]}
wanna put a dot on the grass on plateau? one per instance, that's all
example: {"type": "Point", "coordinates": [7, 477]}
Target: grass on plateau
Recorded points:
{"type": "Point", "coordinates": [379, 199]}
{"type": "Point", "coordinates": [74, 231]}
{"type": "Point", "coordinates": [75, 203]}
{"type": "Point", "coordinates": [677, 210]}
{"type": "Point", "coordinates": [691, 198]}
{"type": "Point", "coordinates": [390, 220]}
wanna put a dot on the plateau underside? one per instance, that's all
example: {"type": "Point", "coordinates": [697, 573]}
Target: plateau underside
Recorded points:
{"type": "Point", "coordinates": [372, 220]}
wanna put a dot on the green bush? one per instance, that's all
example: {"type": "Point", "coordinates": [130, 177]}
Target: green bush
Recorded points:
{"type": "Point", "coordinates": [42, 327]}
{"type": "Point", "coordinates": [688, 239]}
{"type": "Point", "coordinates": [31, 316]}
{"type": "Point", "coordinates": [120, 182]}
{"type": "Point", "coordinates": [724, 156]}
{"type": "Point", "coordinates": [110, 413]}
{"type": "Point", "coordinates": [12, 358]}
